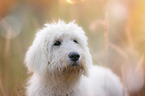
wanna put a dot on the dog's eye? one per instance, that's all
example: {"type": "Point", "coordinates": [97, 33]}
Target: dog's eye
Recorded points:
{"type": "Point", "coordinates": [75, 41]}
{"type": "Point", "coordinates": [57, 43]}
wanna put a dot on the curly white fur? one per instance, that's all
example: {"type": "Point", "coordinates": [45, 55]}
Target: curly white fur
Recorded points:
{"type": "Point", "coordinates": [52, 73]}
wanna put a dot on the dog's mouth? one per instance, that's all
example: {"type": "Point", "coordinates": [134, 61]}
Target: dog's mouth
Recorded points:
{"type": "Point", "coordinates": [73, 67]}
{"type": "Point", "coordinates": [72, 70]}
{"type": "Point", "coordinates": [74, 64]}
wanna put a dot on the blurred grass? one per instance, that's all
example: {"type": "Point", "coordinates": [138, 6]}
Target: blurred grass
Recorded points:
{"type": "Point", "coordinates": [115, 30]}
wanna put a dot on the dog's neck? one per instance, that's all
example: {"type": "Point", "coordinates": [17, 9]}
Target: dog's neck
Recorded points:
{"type": "Point", "coordinates": [64, 82]}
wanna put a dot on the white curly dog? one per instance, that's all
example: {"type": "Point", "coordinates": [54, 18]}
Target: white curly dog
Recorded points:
{"type": "Point", "coordinates": [62, 65]}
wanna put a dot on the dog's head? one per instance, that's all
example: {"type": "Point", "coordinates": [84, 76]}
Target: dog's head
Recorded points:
{"type": "Point", "coordinates": [59, 48]}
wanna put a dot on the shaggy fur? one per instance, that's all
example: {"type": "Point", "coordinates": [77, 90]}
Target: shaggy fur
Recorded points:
{"type": "Point", "coordinates": [53, 73]}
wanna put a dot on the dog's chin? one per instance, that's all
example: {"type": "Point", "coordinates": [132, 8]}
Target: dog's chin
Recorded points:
{"type": "Point", "coordinates": [70, 71]}
{"type": "Point", "coordinates": [73, 68]}
{"type": "Point", "coordinates": [74, 64]}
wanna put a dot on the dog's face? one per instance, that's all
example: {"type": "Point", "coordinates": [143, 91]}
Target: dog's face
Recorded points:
{"type": "Point", "coordinates": [59, 48]}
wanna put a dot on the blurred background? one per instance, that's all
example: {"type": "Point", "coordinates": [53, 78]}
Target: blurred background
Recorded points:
{"type": "Point", "coordinates": [115, 28]}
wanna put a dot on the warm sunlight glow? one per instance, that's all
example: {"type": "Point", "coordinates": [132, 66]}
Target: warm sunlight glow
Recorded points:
{"type": "Point", "coordinates": [74, 1]}
{"type": "Point", "coordinates": [69, 1]}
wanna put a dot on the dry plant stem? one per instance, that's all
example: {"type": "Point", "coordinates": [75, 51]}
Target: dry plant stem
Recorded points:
{"type": "Point", "coordinates": [7, 45]}
{"type": "Point", "coordinates": [140, 63]}
{"type": "Point", "coordinates": [106, 33]}
{"type": "Point", "coordinates": [106, 37]}
{"type": "Point", "coordinates": [2, 88]}
{"type": "Point", "coordinates": [6, 51]}
{"type": "Point", "coordinates": [8, 36]}
{"type": "Point", "coordinates": [129, 35]}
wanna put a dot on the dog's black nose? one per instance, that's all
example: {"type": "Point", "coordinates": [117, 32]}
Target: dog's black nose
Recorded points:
{"type": "Point", "coordinates": [74, 56]}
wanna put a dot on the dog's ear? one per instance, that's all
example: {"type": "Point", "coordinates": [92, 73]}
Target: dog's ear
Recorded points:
{"type": "Point", "coordinates": [36, 58]}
